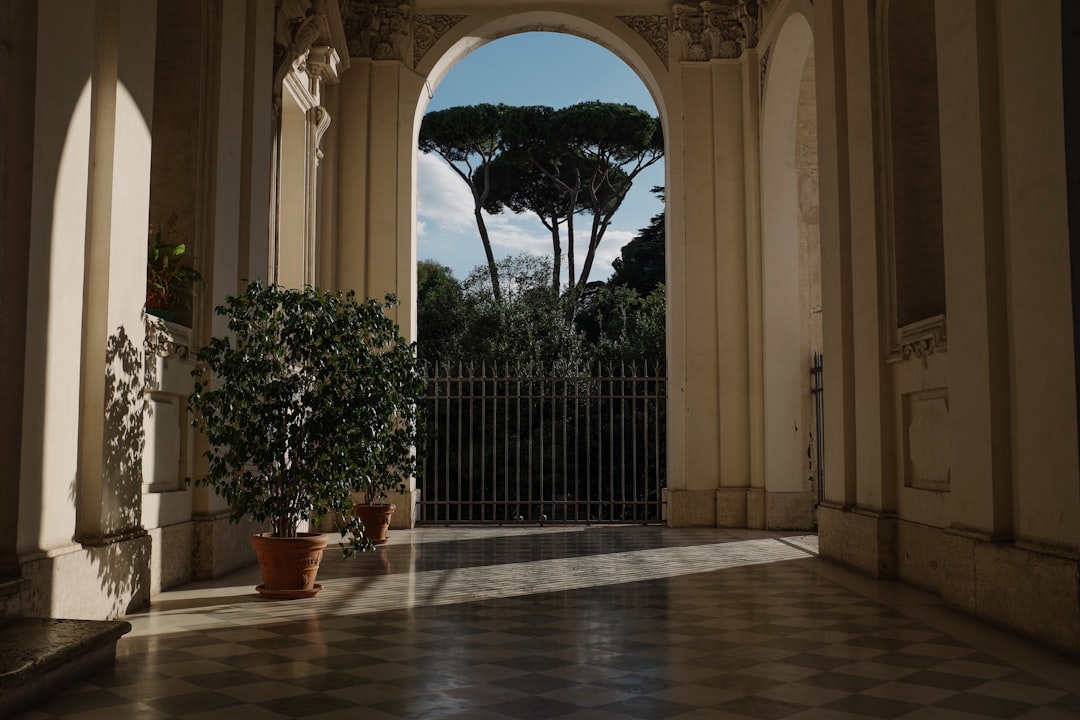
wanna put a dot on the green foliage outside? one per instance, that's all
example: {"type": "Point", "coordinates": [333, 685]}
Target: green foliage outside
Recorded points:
{"type": "Point", "coordinates": [534, 325]}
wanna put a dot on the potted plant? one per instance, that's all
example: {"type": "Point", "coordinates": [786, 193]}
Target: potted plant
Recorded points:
{"type": "Point", "coordinates": [170, 282]}
{"type": "Point", "coordinates": [375, 516]}
{"type": "Point", "coordinates": [311, 397]}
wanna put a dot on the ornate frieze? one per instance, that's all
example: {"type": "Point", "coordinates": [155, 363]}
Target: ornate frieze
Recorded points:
{"type": "Point", "coordinates": [377, 29]}
{"type": "Point", "coordinates": [655, 29]}
{"type": "Point", "coordinates": [711, 29]}
{"type": "Point", "coordinates": [427, 29]}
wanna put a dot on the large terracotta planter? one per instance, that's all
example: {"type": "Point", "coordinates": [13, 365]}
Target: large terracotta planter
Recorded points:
{"type": "Point", "coordinates": [289, 565]}
{"type": "Point", "coordinates": [376, 519]}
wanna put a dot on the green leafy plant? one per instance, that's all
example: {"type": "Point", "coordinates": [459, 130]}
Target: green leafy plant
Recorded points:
{"type": "Point", "coordinates": [170, 282]}
{"type": "Point", "coordinates": [314, 396]}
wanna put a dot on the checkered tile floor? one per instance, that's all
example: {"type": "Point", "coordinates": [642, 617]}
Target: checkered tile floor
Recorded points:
{"type": "Point", "coordinates": [598, 623]}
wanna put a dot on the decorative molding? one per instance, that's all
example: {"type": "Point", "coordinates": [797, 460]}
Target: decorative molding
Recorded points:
{"type": "Point", "coordinates": [919, 340]}
{"type": "Point", "coordinates": [323, 63]}
{"type": "Point", "coordinates": [925, 439]}
{"type": "Point", "coordinates": [293, 39]}
{"type": "Point", "coordinates": [763, 66]}
{"type": "Point", "coordinates": [377, 29]}
{"type": "Point", "coordinates": [163, 339]}
{"type": "Point", "coordinates": [320, 119]}
{"type": "Point", "coordinates": [712, 29]}
{"type": "Point", "coordinates": [427, 29]}
{"type": "Point", "coordinates": [688, 24]}
{"type": "Point", "coordinates": [655, 29]}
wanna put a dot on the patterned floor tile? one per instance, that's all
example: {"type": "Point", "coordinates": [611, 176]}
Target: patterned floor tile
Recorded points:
{"type": "Point", "coordinates": [572, 623]}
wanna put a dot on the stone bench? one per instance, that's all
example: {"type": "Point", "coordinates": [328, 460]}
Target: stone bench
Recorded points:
{"type": "Point", "coordinates": [40, 655]}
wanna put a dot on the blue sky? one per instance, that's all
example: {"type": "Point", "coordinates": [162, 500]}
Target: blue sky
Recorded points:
{"type": "Point", "coordinates": [536, 68]}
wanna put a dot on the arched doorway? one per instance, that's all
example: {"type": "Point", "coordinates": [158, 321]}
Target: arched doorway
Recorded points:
{"type": "Point", "coordinates": [700, 65]}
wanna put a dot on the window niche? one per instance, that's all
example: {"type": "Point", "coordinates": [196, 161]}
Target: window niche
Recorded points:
{"type": "Point", "coordinates": [178, 168]}
{"type": "Point", "coordinates": [908, 60]}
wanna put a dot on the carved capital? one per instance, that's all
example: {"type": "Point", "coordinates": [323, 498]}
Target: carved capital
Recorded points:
{"type": "Point", "coordinates": [427, 29]}
{"type": "Point", "coordinates": [377, 29]}
{"type": "Point", "coordinates": [712, 29]}
{"type": "Point", "coordinates": [654, 29]}
{"type": "Point", "coordinates": [323, 63]}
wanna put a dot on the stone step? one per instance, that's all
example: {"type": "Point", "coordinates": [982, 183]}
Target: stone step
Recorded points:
{"type": "Point", "coordinates": [40, 655]}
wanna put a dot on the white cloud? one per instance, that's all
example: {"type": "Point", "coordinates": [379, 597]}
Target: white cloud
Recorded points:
{"type": "Point", "coordinates": [443, 200]}
{"type": "Point", "coordinates": [518, 233]}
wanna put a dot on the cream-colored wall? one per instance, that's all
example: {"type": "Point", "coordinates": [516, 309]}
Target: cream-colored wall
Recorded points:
{"type": "Point", "coordinates": [998, 535]}
{"type": "Point", "coordinates": [1046, 486]}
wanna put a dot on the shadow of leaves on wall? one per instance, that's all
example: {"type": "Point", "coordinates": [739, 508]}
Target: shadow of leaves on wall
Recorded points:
{"type": "Point", "coordinates": [124, 557]}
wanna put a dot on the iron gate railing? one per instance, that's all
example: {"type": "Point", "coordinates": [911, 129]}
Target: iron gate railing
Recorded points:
{"type": "Point", "coordinates": [510, 445]}
{"type": "Point", "coordinates": [817, 389]}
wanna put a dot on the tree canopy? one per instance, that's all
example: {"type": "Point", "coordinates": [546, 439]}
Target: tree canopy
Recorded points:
{"type": "Point", "coordinates": [557, 164]}
{"type": "Point", "coordinates": [469, 138]}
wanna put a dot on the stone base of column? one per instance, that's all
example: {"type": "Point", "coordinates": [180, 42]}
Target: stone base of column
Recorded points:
{"type": "Point", "coordinates": [172, 556]}
{"type": "Point", "coordinates": [222, 546]}
{"type": "Point", "coordinates": [731, 507]}
{"type": "Point", "coordinates": [100, 581]}
{"type": "Point", "coordinates": [1031, 588]}
{"type": "Point", "coordinates": [408, 507]}
{"type": "Point", "coordinates": [689, 508]}
{"type": "Point", "coordinates": [789, 511]}
{"type": "Point", "coordinates": [862, 539]}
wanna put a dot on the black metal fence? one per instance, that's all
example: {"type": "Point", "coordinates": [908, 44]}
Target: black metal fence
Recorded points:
{"type": "Point", "coordinates": [513, 445]}
{"type": "Point", "coordinates": [817, 389]}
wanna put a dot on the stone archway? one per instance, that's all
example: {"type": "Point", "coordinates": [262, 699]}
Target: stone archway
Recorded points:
{"type": "Point", "coordinates": [700, 62]}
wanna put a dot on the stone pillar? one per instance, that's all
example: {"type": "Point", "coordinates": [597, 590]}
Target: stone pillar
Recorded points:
{"type": "Point", "coordinates": [376, 159]}
{"type": "Point", "coordinates": [709, 158]}
{"type": "Point", "coordinates": [980, 488]}
{"type": "Point", "coordinates": [374, 222]}
{"type": "Point", "coordinates": [84, 329]}
{"type": "Point", "coordinates": [18, 48]}
{"type": "Point", "coordinates": [1039, 292]}
{"type": "Point", "coordinates": [237, 244]}
{"type": "Point", "coordinates": [863, 534]}
{"type": "Point", "coordinates": [111, 433]}
{"type": "Point", "coordinates": [836, 281]}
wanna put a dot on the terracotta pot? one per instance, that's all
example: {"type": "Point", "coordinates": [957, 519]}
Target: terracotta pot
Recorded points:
{"type": "Point", "coordinates": [289, 565]}
{"type": "Point", "coordinates": [376, 519]}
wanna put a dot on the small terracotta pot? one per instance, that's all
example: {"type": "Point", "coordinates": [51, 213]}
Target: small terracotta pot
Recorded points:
{"type": "Point", "coordinates": [376, 519]}
{"type": "Point", "coordinates": [289, 565]}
